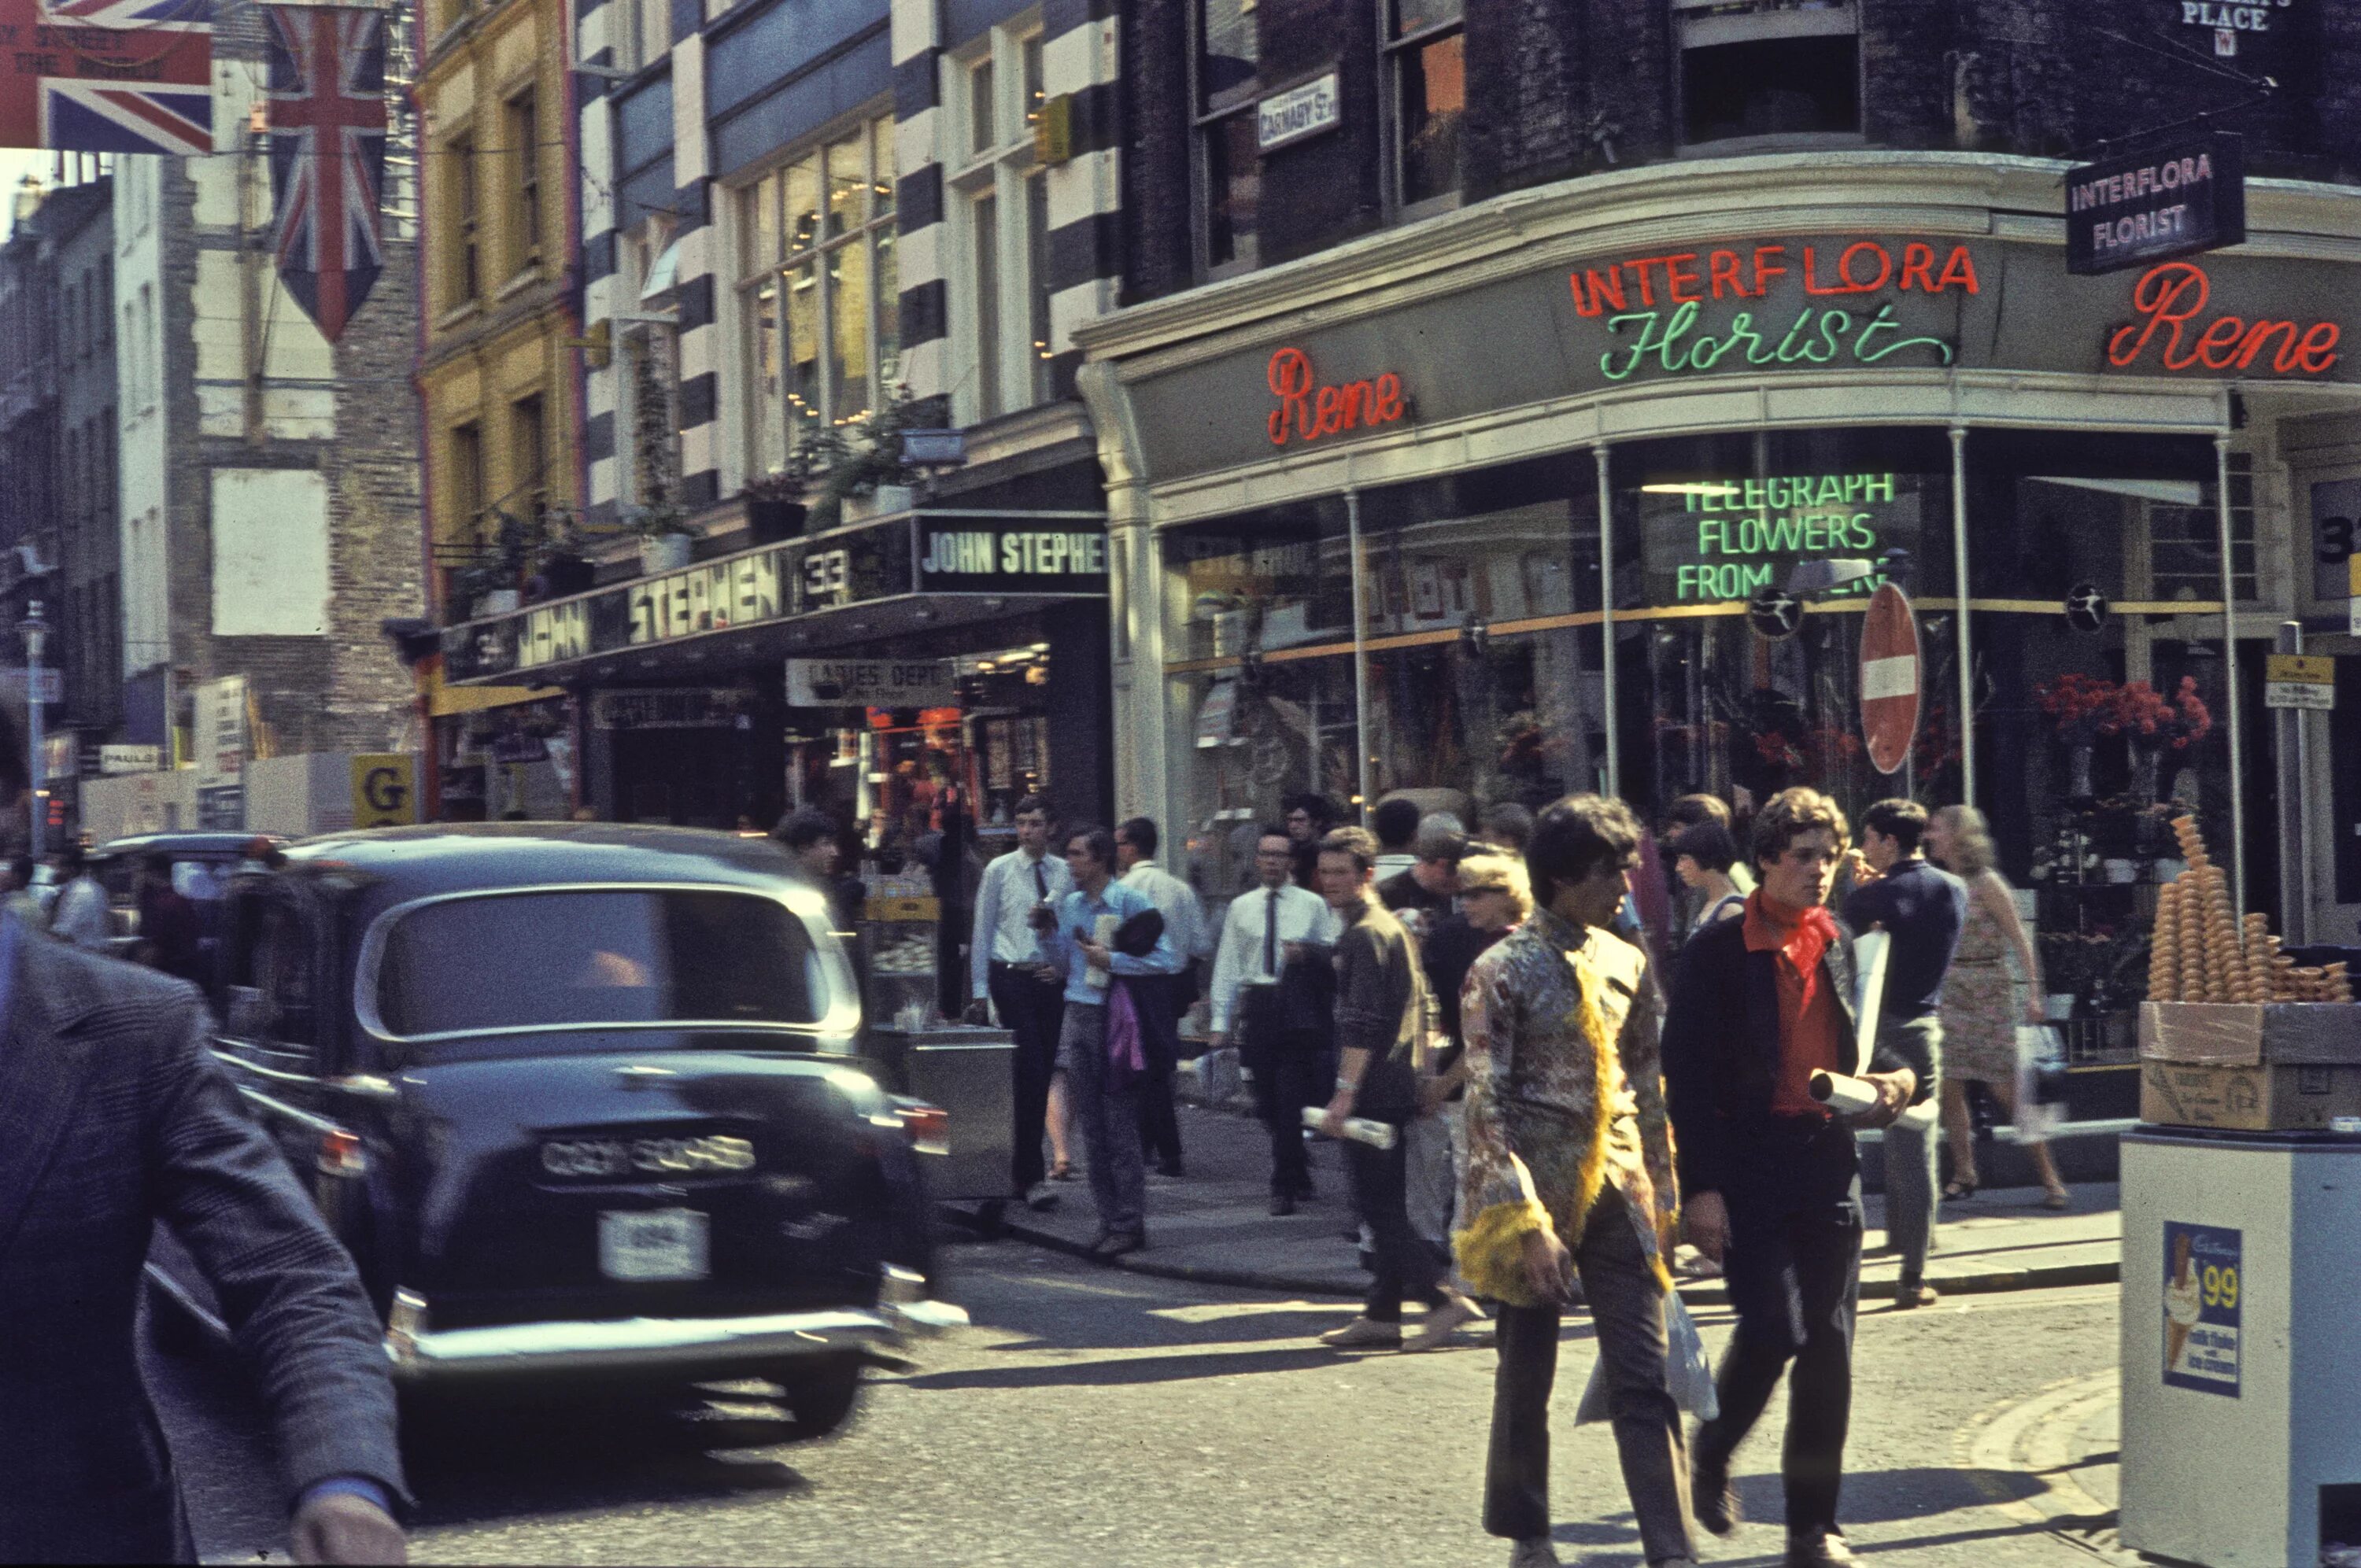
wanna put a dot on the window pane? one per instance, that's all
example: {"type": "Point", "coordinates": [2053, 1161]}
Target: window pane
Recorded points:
{"type": "Point", "coordinates": [597, 957]}
{"type": "Point", "coordinates": [1035, 94]}
{"type": "Point", "coordinates": [1233, 191]}
{"type": "Point", "coordinates": [1230, 49]}
{"type": "Point", "coordinates": [1037, 281]}
{"type": "Point", "coordinates": [803, 411]}
{"type": "Point", "coordinates": [987, 305]}
{"type": "Point", "coordinates": [1433, 78]}
{"type": "Point", "coordinates": [1772, 87]}
{"type": "Point", "coordinates": [769, 436]}
{"type": "Point", "coordinates": [803, 204]}
{"type": "Point", "coordinates": [889, 307]}
{"type": "Point", "coordinates": [847, 287]}
{"type": "Point", "coordinates": [847, 184]}
{"type": "Point", "coordinates": [759, 222]}
{"type": "Point", "coordinates": [1415, 15]}
{"type": "Point", "coordinates": [978, 107]}
{"type": "Point", "coordinates": [881, 152]}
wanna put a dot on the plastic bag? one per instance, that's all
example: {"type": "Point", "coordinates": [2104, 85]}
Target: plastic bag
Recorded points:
{"type": "Point", "coordinates": [2040, 1074]}
{"type": "Point", "coordinates": [1686, 1372]}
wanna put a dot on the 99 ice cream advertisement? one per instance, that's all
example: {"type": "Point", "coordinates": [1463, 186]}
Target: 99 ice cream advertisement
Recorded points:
{"type": "Point", "coordinates": [2202, 1282]}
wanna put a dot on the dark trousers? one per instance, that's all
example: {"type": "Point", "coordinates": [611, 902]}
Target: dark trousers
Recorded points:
{"type": "Point", "coordinates": [1158, 998]}
{"type": "Point", "coordinates": [1406, 1265]}
{"type": "Point", "coordinates": [1107, 1112]}
{"type": "Point", "coordinates": [1031, 1010]}
{"type": "Point", "coordinates": [1290, 1072]}
{"type": "Point", "coordinates": [1794, 1271]}
{"type": "Point", "coordinates": [1627, 1306]}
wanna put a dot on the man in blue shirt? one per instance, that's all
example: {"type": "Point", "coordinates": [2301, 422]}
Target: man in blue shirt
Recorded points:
{"type": "Point", "coordinates": [1104, 1093]}
{"type": "Point", "coordinates": [1921, 908]}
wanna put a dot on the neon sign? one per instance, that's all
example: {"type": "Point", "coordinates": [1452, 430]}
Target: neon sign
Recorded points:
{"type": "Point", "coordinates": [1730, 536]}
{"type": "Point", "coordinates": [2167, 296]}
{"type": "Point", "coordinates": [1816, 334]}
{"type": "Point", "coordinates": [1305, 414]}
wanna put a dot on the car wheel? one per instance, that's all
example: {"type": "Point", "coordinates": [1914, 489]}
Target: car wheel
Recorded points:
{"type": "Point", "coordinates": [821, 1393]}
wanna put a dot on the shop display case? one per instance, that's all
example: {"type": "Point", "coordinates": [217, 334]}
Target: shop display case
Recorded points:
{"type": "Point", "coordinates": [900, 926]}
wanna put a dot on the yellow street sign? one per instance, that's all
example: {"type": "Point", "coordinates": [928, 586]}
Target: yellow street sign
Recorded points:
{"type": "Point", "coordinates": [385, 789]}
{"type": "Point", "coordinates": [2301, 669]}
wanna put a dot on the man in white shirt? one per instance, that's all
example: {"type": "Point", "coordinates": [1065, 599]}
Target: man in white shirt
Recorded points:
{"type": "Point", "coordinates": [79, 914]}
{"type": "Point", "coordinates": [1272, 988]}
{"type": "Point", "coordinates": [1164, 998]}
{"type": "Point", "coordinates": [1008, 966]}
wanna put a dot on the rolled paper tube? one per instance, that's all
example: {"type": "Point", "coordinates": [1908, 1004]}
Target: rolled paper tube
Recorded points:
{"type": "Point", "coordinates": [1846, 1095]}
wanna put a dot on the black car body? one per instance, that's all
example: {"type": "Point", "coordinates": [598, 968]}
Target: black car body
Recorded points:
{"type": "Point", "coordinates": [580, 1100]}
{"type": "Point", "coordinates": [202, 865]}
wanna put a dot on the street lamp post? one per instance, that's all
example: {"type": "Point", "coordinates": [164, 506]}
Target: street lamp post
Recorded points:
{"type": "Point", "coordinates": [35, 630]}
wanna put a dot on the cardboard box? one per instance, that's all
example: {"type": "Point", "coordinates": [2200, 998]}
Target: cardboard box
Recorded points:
{"type": "Point", "coordinates": [2278, 1034]}
{"type": "Point", "coordinates": [2276, 1067]}
{"type": "Point", "coordinates": [2247, 1099]}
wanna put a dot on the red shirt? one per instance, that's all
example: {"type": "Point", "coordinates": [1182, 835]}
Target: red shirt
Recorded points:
{"type": "Point", "coordinates": [1811, 1028]}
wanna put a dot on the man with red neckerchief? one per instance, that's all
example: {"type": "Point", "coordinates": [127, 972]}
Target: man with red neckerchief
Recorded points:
{"type": "Point", "coordinates": [1769, 1179]}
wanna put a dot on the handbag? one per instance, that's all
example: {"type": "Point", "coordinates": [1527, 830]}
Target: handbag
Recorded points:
{"type": "Point", "coordinates": [1126, 1060]}
{"type": "Point", "coordinates": [1688, 1375]}
{"type": "Point", "coordinates": [2040, 1082]}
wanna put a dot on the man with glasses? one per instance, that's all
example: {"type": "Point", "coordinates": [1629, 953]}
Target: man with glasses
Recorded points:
{"type": "Point", "coordinates": [1309, 816]}
{"type": "Point", "coordinates": [1008, 965]}
{"type": "Point", "coordinates": [1570, 1171]}
{"type": "Point", "coordinates": [1771, 1178]}
{"type": "Point", "coordinates": [1271, 990]}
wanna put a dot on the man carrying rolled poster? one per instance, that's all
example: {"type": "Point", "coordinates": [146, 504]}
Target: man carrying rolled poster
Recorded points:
{"type": "Point", "coordinates": [1770, 1178]}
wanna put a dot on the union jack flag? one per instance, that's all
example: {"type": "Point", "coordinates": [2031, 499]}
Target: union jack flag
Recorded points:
{"type": "Point", "coordinates": [106, 75]}
{"type": "Point", "coordinates": [327, 156]}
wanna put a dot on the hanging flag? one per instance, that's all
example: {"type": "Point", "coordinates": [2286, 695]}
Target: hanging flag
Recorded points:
{"type": "Point", "coordinates": [106, 75]}
{"type": "Point", "coordinates": [327, 156]}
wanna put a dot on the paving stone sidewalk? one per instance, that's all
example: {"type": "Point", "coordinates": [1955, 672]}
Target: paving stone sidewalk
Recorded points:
{"type": "Point", "coordinates": [1213, 1226]}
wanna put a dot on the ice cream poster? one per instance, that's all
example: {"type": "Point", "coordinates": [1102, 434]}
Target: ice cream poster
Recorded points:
{"type": "Point", "coordinates": [2201, 1308]}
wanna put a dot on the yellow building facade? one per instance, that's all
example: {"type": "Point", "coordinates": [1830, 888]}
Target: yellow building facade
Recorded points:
{"type": "Point", "coordinates": [498, 373]}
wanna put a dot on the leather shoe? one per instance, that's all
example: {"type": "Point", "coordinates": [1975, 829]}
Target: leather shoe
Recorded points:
{"type": "Point", "coordinates": [1713, 1499]}
{"type": "Point", "coordinates": [1821, 1549]}
{"type": "Point", "coordinates": [1538, 1552]}
{"type": "Point", "coordinates": [1913, 1293]}
{"type": "Point", "coordinates": [1364, 1334]}
{"type": "Point", "coordinates": [1115, 1243]}
{"type": "Point", "coordinates": [1282, 1203]}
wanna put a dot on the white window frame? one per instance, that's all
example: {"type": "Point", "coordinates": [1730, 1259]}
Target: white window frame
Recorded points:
{"type": "Point", "coordinates": [876, 228]}
{"type": "Point", "coordinates": [1010, 372]}
{"type": "Point", "coordinates": [1393, 51]}
{"type": "Point", "coordinates": [1696, 24]}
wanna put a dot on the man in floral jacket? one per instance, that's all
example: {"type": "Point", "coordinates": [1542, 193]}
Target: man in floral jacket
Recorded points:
{"type": "Point", "coordinates": [1570, 1167]}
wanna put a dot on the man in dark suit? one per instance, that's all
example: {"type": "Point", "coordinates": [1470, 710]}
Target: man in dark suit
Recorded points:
{"type": "Point", "coordinates": [113, 1117]}
{"type": "Point", "coordinates": [1770, 1180]}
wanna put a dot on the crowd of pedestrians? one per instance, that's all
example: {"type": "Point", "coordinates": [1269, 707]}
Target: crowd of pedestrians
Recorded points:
{"type": "Point", "coordinates": [1549, 1051]}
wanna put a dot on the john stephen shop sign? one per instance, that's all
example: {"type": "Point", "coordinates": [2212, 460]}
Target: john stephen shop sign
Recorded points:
{"type": "Point", "coordinates": [1858, 306]}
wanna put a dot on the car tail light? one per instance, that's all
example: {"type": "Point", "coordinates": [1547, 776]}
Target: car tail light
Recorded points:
{"type": "Point", "coordinates": [341, 1153]}
{"type": "Point", "coordinates": [928, 1127]}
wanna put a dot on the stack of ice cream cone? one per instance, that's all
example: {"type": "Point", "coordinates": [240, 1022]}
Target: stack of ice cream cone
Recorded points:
{"type": "Point", "coordinates": [2200, 952]}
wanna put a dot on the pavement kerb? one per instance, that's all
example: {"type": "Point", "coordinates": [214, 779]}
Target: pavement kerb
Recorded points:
{"type": "Point", "coordinates": [1698, 1293]}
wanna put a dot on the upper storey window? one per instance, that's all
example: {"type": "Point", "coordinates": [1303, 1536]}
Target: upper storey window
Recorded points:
{"type": "Point", "coordinates": [1758, 69]}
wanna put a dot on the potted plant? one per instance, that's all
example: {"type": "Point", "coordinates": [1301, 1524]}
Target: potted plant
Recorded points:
{"type": "Point", "coordinates": [665, 544]}
{"type": "Point", "coordinates": [560, 567]}
{"type": "Point", "coordinates": [861, 475]}
{"type": "Point", "coordinates": [775, 508]}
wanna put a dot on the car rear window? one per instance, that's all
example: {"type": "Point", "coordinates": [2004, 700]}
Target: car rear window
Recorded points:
{"type": "Point", "coordinates": [598, 957]}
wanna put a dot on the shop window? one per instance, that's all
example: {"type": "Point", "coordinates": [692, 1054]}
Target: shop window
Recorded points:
{"type": "Point", "coordinates": [1226, 61]}
{"type": "Point", "coordinates": [819, 292]}
{"type": "Point", "coordinates": [1768, 68]}
{"type": "Point", "coordinates": [1426, 67]}
{"type": "Point", "coordinates": [1001, 329]}
{"type": "Point", "coordinates": [2185, 540]}
{"type": "Point", "coordinates": [521, 131]}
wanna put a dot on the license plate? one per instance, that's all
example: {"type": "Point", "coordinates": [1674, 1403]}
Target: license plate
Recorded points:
{"type": "Point", "coordinates": [653, 1244]}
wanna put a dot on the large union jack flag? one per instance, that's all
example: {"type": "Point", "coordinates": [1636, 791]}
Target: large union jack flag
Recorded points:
{"type": "Point", "coordinates": [107, 75]}
{"type": "Point", "coordinates": [327, 156]}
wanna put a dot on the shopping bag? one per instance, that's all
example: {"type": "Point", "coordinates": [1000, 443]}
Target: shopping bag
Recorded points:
{"type": "Point", "coordinates": [1126, 1059]}
{"type": "Point", "coordinates": [1687, 1374]}
{"type": "Point", "coordinates": [2040, 1083]}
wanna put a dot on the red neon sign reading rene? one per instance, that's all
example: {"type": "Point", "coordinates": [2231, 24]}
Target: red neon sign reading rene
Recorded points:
{"type": "Point", "coordinates": [1306, 413]}
{"type": "Point", "coordinates": [2168, 295]}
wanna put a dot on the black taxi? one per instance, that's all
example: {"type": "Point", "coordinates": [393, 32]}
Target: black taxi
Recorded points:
{"type": "Point", "coordinates": [581, 1101]}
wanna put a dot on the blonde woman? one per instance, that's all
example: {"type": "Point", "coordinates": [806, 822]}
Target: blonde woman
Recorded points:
{"type": "Point", "coordinates": [1980, 1011]}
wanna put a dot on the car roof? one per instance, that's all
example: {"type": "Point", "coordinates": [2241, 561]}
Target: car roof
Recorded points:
{"type": "Point", "coordinates": [407, 862]}
{"type": "Point", "coordinates": [231, 846]}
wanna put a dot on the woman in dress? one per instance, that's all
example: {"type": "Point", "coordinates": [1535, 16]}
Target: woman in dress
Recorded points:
{"type": "Point", "coordinates": [1980, 1008]}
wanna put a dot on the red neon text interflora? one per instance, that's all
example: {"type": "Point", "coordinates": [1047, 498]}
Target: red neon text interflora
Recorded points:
{"type": "Point", "coordinates": [2168, 295]}
{"type": "Point", "coordinates": [1307, 414]}
{"type": "Point", "coordinates": [1865, 267]}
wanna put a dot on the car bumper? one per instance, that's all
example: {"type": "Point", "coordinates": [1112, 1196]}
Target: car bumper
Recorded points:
{"type": "Point", "coordinates": [700, 1346]}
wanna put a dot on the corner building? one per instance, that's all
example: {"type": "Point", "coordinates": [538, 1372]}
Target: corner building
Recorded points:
{"type": "Point", "coordinates": [1479, 359]}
